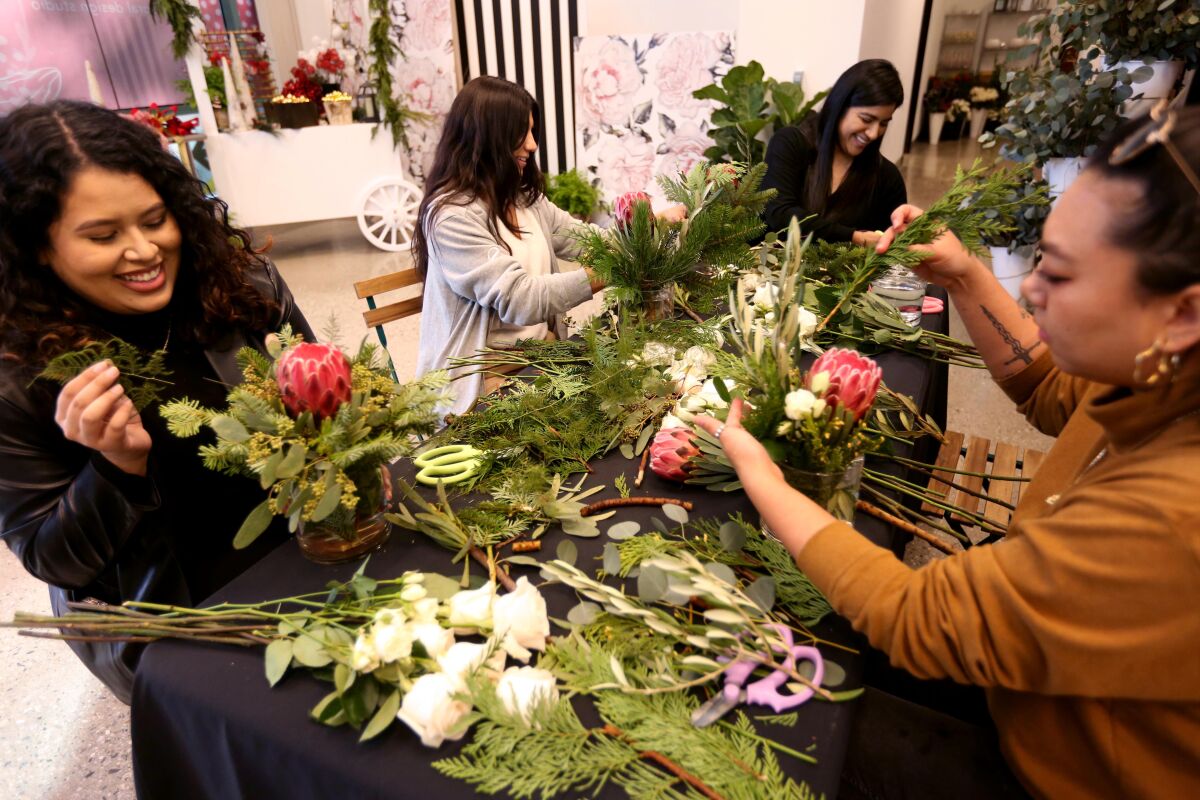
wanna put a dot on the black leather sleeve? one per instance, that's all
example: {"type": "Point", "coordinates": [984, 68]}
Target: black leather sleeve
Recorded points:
{"type": "Point", "coordinates": [65, 511]}
{"type": "Point", "coordinates": [290, 313]}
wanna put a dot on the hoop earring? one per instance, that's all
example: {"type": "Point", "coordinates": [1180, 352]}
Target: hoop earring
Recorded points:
{"type": "Point", "coordinates": [1155, 365]}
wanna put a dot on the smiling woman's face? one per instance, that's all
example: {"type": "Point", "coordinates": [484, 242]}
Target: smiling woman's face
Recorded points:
{"type": "Point", "coordinates": [115, 244]}
{"type": "Point", "coordinates": [526, 149]}
{"type": "Point", "coordinates": [862, 125]}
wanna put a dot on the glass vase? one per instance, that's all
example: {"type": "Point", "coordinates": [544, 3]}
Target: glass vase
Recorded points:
{"type": "Point", "coordinates": [345, 536]}
{"type": "Point", "coordinates": [654, 304]}
{"type": "Point", "coordinates": [836, 492]}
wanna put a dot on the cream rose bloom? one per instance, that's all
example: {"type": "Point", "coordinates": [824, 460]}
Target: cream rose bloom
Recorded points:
{"type": "Point", "coordinates": [472, 609]}
{"type": "Point", "coordinates": [521, 689]}
{"type": "Point", "coordinates": [464, 658]}
{"type": "Point", "coordinates": [799, 404]}
{"type": "Point", "coordinates": [433, 637]}
{"type": "Point", "coordinates": [432, 711]}
{"type": "Point", "coordinates": [520, 621]}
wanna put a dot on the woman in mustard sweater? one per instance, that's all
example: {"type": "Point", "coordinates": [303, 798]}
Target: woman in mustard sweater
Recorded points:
{"type": "Point", "coordinates": [1083, 625]}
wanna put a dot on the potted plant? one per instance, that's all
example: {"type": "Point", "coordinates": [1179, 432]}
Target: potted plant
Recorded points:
{"type": "Point", "coordinates": [571, 192]}
{"type": "Point", "coordinates": [937, 99]}
{"type": "Point", "coordinates": [984, 101]}
{"type": "Point", "coordinates": [1022, 212]}
{"type": "Point", "coordinates": [1163, 35]}
{"type": "Point", "coordinates": [751, 108]}
{"type": "Point", "coordinates": [214, 83]}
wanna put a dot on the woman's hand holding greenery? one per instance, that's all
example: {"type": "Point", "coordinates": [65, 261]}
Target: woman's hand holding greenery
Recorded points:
{"type": "Point", "coordinates": [94, 411]}
{"type": "Point", "coordinates": [948, 262]}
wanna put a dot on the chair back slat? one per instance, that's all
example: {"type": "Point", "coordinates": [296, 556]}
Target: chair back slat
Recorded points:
{"type": "Point", "coordinates": [392, 312]}
{"type": "Point", "coordinates": [386, 283]}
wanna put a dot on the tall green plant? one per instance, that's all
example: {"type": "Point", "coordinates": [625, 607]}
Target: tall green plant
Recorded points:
{"type": "Point", "coordinates": [571, 192]}
{"type": "Point", "coordinates": [749, 103]}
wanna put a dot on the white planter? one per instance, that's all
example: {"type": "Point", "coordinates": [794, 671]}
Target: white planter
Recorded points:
{"type": "Point", "coordinates": [1061, 173]}
{"type": "Point", "coordinates": [978, 120]}
{"type": "Point", "coordinates": [936, 120]}
{"type": "Point", "coordinates": [1158, 85]}
{"type": "Point", "coordinates": [1012, 268]}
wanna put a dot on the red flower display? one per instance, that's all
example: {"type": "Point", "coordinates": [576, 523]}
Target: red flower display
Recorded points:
{"type": "Point", "coordinates": [331, 63]}
{"type": "Point", "coordinates": [853, 380]}
{"type": "Point", "coordinates": [313, 377]}
{"type": "Point", "coordinates": [671, 453]}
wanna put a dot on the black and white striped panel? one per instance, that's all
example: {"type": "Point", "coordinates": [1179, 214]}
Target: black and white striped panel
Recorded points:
{"type": "Point", "coordinates": [527, 42]}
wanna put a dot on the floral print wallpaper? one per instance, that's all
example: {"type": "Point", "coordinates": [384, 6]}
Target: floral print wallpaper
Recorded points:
{"type": "Point", "coordinates": [425, 77]}
{"type": "Point", "coordinates": [635, 114]}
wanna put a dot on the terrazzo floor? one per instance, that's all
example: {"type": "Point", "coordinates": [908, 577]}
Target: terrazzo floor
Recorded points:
{"type": "Point", "coordinates": [65, 737]}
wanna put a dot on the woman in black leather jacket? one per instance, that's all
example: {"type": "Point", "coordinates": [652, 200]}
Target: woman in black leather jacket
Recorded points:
{"type": "Point", "coordinates": [103, 234]}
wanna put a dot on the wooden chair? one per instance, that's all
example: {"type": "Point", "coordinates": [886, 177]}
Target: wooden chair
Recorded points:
{"type": "Point", "coordinates": [977, 493]}
{"type": "Point", "coordinates": [377, 317]}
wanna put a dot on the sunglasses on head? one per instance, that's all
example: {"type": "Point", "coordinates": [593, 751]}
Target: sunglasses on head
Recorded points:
{"type": "Point", "coordinates": [1154, 131]}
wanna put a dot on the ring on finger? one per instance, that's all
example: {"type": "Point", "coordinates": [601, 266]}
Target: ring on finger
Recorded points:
{"type": "Point", "coordinates": [720, 429]}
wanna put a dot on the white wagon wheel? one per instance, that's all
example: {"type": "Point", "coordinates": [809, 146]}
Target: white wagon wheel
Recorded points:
{"type": "Point", "coordinates": [387, 212]}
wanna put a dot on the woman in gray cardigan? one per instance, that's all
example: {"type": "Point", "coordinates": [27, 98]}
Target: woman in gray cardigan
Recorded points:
{"type": "Point", "coordinates": [489, 245]}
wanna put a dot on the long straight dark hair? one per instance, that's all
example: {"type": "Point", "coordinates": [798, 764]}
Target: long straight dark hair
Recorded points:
{"type": "Point", "coordinates": [874, 82]}
{"type": "Point", "coordinates": [486, 123]}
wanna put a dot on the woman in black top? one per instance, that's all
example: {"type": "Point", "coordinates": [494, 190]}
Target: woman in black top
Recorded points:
{"type": "Point", "coordinates": [829, 168]}
{"type": "Point", "coordinates": [103, 234]}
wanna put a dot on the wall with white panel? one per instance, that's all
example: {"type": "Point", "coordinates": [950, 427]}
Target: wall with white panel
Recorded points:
{"type": "Point", "coordinates": [892, 30]}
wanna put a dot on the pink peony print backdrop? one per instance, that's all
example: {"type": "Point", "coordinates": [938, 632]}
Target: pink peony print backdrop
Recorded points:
{"type": "Point", "coordinates": [635, 114]}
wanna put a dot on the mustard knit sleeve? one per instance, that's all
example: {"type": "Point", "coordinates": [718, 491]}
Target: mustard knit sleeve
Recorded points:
{"type": "Point", "coordinates": [1046, 396]}
{"type": "Point", "coordinates": [1098, 600]}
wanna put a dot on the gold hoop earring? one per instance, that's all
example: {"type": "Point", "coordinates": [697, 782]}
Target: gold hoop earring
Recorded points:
{"type": "Point", "coordinates": [1155, 365]}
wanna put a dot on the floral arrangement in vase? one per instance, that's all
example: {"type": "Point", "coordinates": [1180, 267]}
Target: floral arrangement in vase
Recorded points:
{"type": "Point", "coordinates": [958, 109]}
{"type": "Point", "coordinates": [315, 429]}
{"type": "Point", "coordinates": [304, 82]}
{"type": "Point", "coordinates": [987, 97]}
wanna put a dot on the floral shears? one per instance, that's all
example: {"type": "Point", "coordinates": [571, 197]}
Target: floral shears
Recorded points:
{"type": "Point", "coordinates": [764, 691]}
{"type": "Point", "coordinates": [448, 464]}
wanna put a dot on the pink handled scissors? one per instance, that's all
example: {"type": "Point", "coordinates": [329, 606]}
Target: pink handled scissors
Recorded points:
{"type": "Point", "coordinates": [764, 691]}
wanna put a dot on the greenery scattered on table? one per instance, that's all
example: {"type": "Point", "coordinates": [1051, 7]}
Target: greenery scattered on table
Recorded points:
{"type": "Point", "coordinates": [314, 470]}
{"type": "Point", "coordinates": [590, 396]}
{"type": "Point", "coordinates": [142, 377]}
{"type": "Point", "coordinates": [179, 14]}
{"type": "Point", "coordinates": [571, 192]}
{"type": "Point", "coordinates": [750, 102]}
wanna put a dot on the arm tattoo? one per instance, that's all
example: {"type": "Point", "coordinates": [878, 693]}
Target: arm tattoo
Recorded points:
{"type": "Point", "coordinates": [1020, 352]}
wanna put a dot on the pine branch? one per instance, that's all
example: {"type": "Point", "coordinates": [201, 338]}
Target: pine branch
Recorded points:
{"type": "Point", "coordinates": [142, 376]}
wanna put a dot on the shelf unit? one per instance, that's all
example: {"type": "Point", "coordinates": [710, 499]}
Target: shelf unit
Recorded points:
{"type": "Point", "coordinates": [1002, 27]}
{"type": "Point", "coordinates": [958, 50]}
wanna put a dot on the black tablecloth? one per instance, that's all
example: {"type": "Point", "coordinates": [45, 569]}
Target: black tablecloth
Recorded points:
{"type": "Point", "coordinates": [205, 724]}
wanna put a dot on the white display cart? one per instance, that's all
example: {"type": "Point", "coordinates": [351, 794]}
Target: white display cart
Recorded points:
{"type": "Point", "coordinates": [307, 174]}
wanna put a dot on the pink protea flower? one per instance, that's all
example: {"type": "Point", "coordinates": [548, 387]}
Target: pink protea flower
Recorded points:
{"type": "Point", "coordinates": [671, 453]}
{"type": "Point", "coordinates": [845, 379]}
{"type": "Point", "coordinates": [624, 206]}
{"type": "Point", "coordinates": [313, 377]}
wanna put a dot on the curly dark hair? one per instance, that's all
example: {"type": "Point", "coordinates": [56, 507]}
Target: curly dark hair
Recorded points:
{"type": "Point", "coordinates": [474, 160]}
{"type": "Point", "coordinates": [42, 148]}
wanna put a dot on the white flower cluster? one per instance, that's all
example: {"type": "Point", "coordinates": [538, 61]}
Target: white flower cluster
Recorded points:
{"type": "Point", "coordinates": [958, 108]}
{"type": "Point", "coordinates": [688, 370]}
{"type": "Point", "coordinates": [435, 706]}
{"type": "Point", "coordinates": [984, 94]}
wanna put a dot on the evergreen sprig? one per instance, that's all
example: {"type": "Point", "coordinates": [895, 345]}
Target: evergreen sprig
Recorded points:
{"type": "Point", "coordinates": [384, 44]}
{"type": "Point", "coordinates": [179, 14]}
{"type": "Point", "coordinates": [142, 376]}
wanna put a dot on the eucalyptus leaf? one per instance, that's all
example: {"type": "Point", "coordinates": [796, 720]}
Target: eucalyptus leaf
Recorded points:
{"type": "Point", "coordinates": [723, 572]}
{"type": "Point", "coordinates": [644, 439]}
{"type": "Point", "coordinates": [329, 501]}
{"type": "Point", "coordinates": [612, 559]}
{"type": "Point", "coordinates": [343, 677]}
{"type": "Point", "coordinates": [658, 524]}
{"type": "Point", "coordinates": [255, 523]}
{"type": "Point", "coordinates": [651, 584]}
{"type": "Point", "coordinates": [762, 592]}
{"type": "Point", "coordinates": [524, 561]}
{"type": "Point", "coordinates": [733, 537]}
{"type": "Point", "coordinates": [835, 675]}
{"type": "Point", "coordinates": [627, 450]}
{"type": "Point", "coordinates": [269, 470]}
{"type": "Point", "coordinates": [675, 513]}
{"type": "Point", "coordinates": [229, 428]}
{"type": "Point", "coordinates": [440, 587]}
{"type": "Point", "coordinates": [584, 613]}
{"type": "Point", "coordinates": [624, 530]}
{"type": "Point", "coordinates": [277, 659]}
{"type": "Point", "coordinates": [567, 551]}
{"type": "Point", "coordinates": [724, 616]}
{"type": "Point", "coordinates": [293, 462]}
{"type": "Point", "coordinates": [583, 527]}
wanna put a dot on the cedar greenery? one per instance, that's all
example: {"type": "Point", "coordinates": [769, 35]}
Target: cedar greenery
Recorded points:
{"type": "Point", "coordinates": [142, 377]}
{"type": "Point", "coordinates": [384, 51]}
{"type": "Point", "coordinates": [179, 14]}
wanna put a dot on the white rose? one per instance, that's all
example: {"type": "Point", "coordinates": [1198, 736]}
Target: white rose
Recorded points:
{"type": "Point", "coordinates": [657, 354]}
{"type": "Point", "coordinates": [435, 639]}
{"type": "Point", "coordinates": [412, 594]}
{"type": "Point", "coordinates": [392, 642]}
{"type": "Point", "coordinates": [365, 657]}
{"type": "Point", "coordinates": [520, 621]}
{"type": "Point", "coordinates": [522, 689]}
{"type": "Point", "coordinates": [808, 323]}
{"type": "Point", "coordinates": [460, 661]}
{"type": "Point", "coordinates": [766, 297]}
{"type": "Point", "coordinates": [432, 711]}
{"type": "Point", "coordinates": [425, 610]}
{"type": "Point", "coordinates": [819, 382]}
{"type": "Point", "coordinates": [750, 282]}
{"type": "Point", "coordinates": [711, 396]}
{"type": "Point", "coordinates": [472, 609]}
{"type": "Point", "coordinates": [799, 404]}
{"type": "Point", "coordinates": [672, 421]}
{"type": "Point", "coordinates": [699, 357]}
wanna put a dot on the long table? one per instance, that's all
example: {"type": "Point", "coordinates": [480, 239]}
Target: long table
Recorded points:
{"type": "Point", "coordinates": [205, 724]}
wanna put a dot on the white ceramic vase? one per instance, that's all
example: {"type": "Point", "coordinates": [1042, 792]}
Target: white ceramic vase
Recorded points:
{"type": "Point", "coordinates": [978, 120]}
{"type": "Point", "coordinates": [936, 120]}
{"type": "Point", "coordinates": [1157, 86]}
{"type": "Point", "coordinates": [1011, 268]}
{"type": "Point", "coordinates": [1061, 173]}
